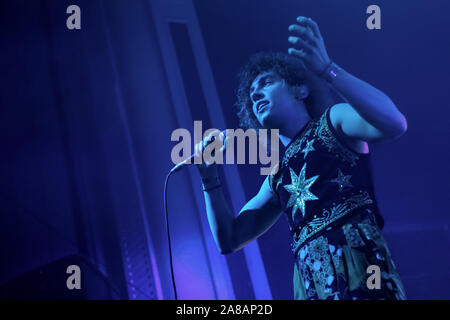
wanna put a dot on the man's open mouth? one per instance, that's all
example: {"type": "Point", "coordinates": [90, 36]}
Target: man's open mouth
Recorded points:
{"type": "Point", "coordinates": [261, 105]}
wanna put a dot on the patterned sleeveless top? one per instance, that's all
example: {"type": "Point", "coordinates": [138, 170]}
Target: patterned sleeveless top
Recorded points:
{"type": "Point", "coordinates": [321, 181]}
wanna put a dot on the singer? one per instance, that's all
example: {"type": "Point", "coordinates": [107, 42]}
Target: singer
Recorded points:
{"type": "Point", "coordinates": [323, 183]}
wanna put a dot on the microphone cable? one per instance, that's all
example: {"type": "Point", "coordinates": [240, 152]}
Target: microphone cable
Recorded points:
{"type": "Point", "coordinates": [175, 169]}
{"type": "Point", "coordinates": [168, 233]}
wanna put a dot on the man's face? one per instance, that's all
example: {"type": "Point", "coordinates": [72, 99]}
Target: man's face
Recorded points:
{"type": "Point", "coordinates": [272, 99]}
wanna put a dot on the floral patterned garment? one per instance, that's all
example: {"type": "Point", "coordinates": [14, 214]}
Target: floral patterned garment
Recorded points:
{"type": "Point", "coordinates": [323, 184]}
{"type": "Point", "coordinates": [334, 265]}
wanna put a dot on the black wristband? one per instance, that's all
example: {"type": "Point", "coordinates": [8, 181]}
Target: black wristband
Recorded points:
{"type": "Point", "coordinates": [330, 72]}
{"type": "Point", "coordinates": [325, 69]}
{"type": "Point", "coordinates": [210, 182]}
{"type": "Point", "coordinates": [212, 188]}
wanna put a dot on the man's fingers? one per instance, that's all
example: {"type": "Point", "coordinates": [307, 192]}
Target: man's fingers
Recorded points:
{"type": "Point", "coordinates": [310, 23]}
{"type": "Point", "coordinates": [197, 151]}
{"type": "Point", "coordinates": [296, 53]}
{"type": "Point", "coordinates": [221, 136]}
{"type": "Point", "coordinates": [211, 147]}
{"type": "Point", "coordinates": [224, 146]}
{"type": "Point", "coordinates": [298, 41]}
{"type": "Point", "coordinates": [211, 135]}
{"type": "Point", "coordinates": [303, 32]}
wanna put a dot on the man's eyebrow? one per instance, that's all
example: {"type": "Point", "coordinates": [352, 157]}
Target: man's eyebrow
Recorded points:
{"type": "Point", "coordinates": [260, 80]}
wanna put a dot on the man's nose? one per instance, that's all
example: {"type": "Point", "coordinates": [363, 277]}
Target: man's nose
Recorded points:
{"type": "Point", "coordinates": [256, 96]}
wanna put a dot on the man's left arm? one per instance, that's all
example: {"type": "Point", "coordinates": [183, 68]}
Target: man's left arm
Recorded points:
{"type": "Point", "coordinates": [370, 115]}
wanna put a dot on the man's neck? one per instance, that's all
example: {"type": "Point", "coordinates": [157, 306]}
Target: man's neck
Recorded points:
{"type": "Point", "coordinates": [288, 132]}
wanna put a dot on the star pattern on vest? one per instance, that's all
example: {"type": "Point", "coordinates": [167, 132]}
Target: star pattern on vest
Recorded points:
{"type": "Point", "coordinates": [299, 190]}
{"type": "Point", "coordinates": [309, 147]}
{"type": "Point", "coordinates": [342, 180]}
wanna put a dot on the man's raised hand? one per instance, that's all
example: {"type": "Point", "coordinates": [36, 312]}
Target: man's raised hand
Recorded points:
{"type": "Point", "coordinates": [308, 44]}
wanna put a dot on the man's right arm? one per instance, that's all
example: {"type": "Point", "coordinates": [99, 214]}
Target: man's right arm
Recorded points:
{"type": "Point", "coordinates": [255, 218]}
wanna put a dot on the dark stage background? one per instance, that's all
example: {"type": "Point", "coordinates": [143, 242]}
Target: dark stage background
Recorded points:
{"type": "Point", "coordinates": [86, 118]}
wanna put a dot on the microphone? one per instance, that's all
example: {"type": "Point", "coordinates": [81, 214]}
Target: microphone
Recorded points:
{"type": "Point", "coordinates": [184, 163]}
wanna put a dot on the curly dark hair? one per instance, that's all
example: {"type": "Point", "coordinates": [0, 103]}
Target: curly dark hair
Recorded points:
{"type": "Point", "coordinates": [289, 68]}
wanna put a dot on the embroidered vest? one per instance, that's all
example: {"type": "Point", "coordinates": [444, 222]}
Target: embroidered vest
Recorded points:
{"type": "Point", "coordinates": [320, 181]}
